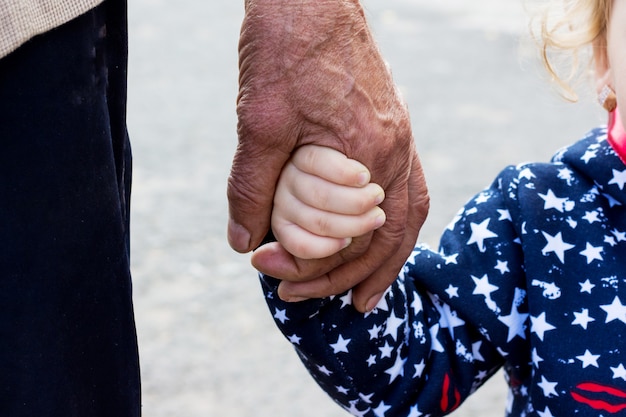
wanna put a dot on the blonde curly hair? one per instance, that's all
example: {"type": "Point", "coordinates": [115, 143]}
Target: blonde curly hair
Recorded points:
{"type": "Point", "coordinates": [566, 30]}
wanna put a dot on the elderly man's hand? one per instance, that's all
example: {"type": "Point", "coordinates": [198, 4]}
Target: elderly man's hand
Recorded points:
{"type": "Point", "coordinates": [310, 73]}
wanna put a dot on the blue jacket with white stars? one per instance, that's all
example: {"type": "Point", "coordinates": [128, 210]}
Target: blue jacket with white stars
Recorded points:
{"type": "Point", "coordinates": [530, 276]}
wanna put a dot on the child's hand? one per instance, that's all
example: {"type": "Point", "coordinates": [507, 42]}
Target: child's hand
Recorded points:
{"type": "Point", "coordinates": [322, 200]}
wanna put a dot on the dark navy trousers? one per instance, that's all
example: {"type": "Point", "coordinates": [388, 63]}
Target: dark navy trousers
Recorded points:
{"type": "Point", "coordinates": [67, 334]}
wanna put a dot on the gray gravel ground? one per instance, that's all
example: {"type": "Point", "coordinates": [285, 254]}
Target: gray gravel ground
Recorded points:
{"type": "Point", "coordinates": [208, 346]}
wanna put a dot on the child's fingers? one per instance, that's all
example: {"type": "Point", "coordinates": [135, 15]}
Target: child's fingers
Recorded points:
{"type": "Point", "coordinates": [289, 209]}
{"type": "Point", "coordinates": [305, 245]}
{"type": "Point", "coordinates": [322, 200]}
{"type": "Point", "coordinates": [325, 195]}
{"type": "Point", "coordinates": [331, 165]}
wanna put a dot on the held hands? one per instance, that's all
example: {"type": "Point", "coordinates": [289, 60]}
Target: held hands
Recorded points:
{"type": "Point", "coordinates": [322, 200]}
{"type": "Point", "coordinates": [310, 73]}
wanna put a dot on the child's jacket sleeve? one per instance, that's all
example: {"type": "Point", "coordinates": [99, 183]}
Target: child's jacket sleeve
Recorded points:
{"type": "Point", "coordinates": [448, 322]}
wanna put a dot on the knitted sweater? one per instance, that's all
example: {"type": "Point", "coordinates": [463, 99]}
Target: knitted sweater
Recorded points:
{"type": "Point", "coordinates": [20, 20]}
{"type": "Point", "coordinates": [530, 275]}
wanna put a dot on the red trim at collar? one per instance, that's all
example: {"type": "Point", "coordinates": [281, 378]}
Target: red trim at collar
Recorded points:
{"type": "Point", "coordinates": [617, 135]}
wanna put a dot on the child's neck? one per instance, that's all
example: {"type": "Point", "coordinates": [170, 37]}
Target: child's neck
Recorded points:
{"type": "Point", "coordinates": [617, 135]}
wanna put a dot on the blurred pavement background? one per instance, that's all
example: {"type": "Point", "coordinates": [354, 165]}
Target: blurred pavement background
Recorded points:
{"type": "Point", "coordinates": [208, 346]}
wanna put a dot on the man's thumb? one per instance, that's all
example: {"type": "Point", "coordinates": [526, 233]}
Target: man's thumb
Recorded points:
{"type": "Point", "coordinates": [251, 187]}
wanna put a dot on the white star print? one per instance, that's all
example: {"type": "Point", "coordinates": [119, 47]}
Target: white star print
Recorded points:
{"type": "Point", "coordinates": [366, 398]}
{"type": "Point", "coordinates": [556, 245]}
{"type": "Point", "coordinates": [451, 259]}
{"type": "Point", "coordinates": [481, 198]}
{"type": "Point", "coordinates": [476, 351]}
{"type": "Point", "coordinates": [545, 413]}
{"type": "Point", "coordinates": [452, 291]}
{"type": "Point", "coordinates": [419, 369]}
{"type": "Point", "coordinates": [341, 345]}
{"type": "Point", "coordinates": [397, 369]}
{"type": "Point", "coordinates": [385, 351]}
{"type": "Point", "coordinates": [536, 358]}
{"type": "Point", "coordinates": [449, 319]}
{"type": "Point", "coordinates": [480, 233]}
{"type": "Point", "coordinates": [381, 409]}
{"type": "Point", "coordinates": [586, 286]}
{"type": "Point", "coordinates": [415, 412]}
{"type": "Point", "coordinates": [512, 259]}
{"type": "Point", "coordinates": [355, 411]}
{"type": "Point", "coordinates": [591, 217]}
{"type": "Point", "coordinates": [504, 215]}
{"type": "Point", "coordinates": [325, 370]}
{"type": "Point", "coordinates": [589, 155]}
{"type": "Point", "coordinates": [526, 173]}
{"type": "Point", "coordinates": [281, 315]}
{"type": "Point", "coordinates": [615, 311]}
{"type": "Point", "coordinates": [619, 178]}
{"type": "Point", "coordinates": [554, 202]}
{"type": "Point", "coordinates": [515, 323]}
{"type": "Point", "coordinates": [549, 388]}
{"type": "Point", "coordinates": [583, 318]}
{"type": "Point", "coordinates": [502, 266]}
{"type": "Point", "coordinates": [620, 236]}
{"type": "Point", "coordinates": [588, 359]}
{"type": "Point", "coordinates": [393, 323]}
{"type": "Point", "coordinates": [484, 288]}
{"type": "Point", "coordinates": [566, 174]}
{"type": "Point", "coordinates": [346, 300]}
{"type": "Point", "coordinates": [481, 375]}
{"type": "Point", "coordinates": [592, 253]}
{"type": "Point", "coordinates": [436, 346]}
{"type": "Point", "coordinates": [540, 326]}
{"type": "Point", "coordinates": [375, 331]}
{"type": "Point", "coordinates": [342, 390]}
{"type": "Point", "coordinates": [619, 372]}
{"type": "Point", "coordinates": [612, 201]}
{"type": "Point", "coordinates": [416, 305]}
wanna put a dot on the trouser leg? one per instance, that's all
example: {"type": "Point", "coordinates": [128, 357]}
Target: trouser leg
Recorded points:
{"type": "Point", "coordinates": [67, 334]}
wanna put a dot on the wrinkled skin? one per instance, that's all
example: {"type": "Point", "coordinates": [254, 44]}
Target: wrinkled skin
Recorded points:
{"type": "Point", "coordinates": [310, 72]}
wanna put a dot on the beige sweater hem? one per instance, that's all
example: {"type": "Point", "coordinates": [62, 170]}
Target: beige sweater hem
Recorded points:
{"type": "Point", "coordinates": [20, 20]}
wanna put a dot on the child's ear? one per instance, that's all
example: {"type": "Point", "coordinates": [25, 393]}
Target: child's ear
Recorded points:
{"type": "Point", "coordinates": [602, 66]}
